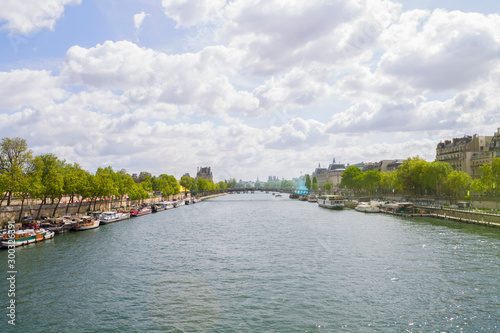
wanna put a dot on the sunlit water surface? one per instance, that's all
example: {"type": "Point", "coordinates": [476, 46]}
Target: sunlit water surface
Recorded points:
{"type": "Point", "coordinates": [255, 263]}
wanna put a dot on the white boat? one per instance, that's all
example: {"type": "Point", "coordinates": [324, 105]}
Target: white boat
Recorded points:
{"type": "Point", "coordinates": [312, 198]}
{"type": "Point", "coordinates": [331, 201]}
{"type": "Point", "coordinates": [26, 236]}
{"type": "Point", "coordinates": [86, 223]}
{"type": "Point", "coordinates": [112, 216]}
{"type": "Point", "coordinates": [367, 207]}
{"type": "Point", "coordinates": [169, 205]}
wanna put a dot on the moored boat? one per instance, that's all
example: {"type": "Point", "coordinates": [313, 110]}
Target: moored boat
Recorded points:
{"type": "Point", "coordinates": [112, 216]}
{"type": "Point", "coordinates": [367, 207]}
{"type": "Point", "coordinates": [312, 198]}
{"type": "Point", "coordinates": [331, 201]}
{"type": "Point", "coordinates": [294, 196]}
{"type": "Point", "coordinates": [141, 211]}
{"type": "Point", "coordinates": [303, 198]}
{"type": "Point", "coordinates": [86, 223]}
{"type": "Point", "coordinates": [26, 236]}
{"type": "Point", "coordinates": [58, 226]}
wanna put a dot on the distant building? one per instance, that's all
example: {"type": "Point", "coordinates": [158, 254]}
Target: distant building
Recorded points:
{"type": "Point", "coordinates": [494, 147]}
{"type": "Point", "coordinates": [205, 173]}
{"type": "Point", "coordinates": [332, 174]}
{"type": "Point", "coordinates": [272, 179]}
{"type": "Point", "coordinates": [465, 154]}
{"type": "Point", "coordinates": [186, 174]}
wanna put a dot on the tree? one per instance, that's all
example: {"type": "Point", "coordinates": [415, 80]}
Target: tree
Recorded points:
{"type": "Point", "coordinates": [389, 181]}
{"type": "Point", "coordinates": [351, 178]}
{"type": "Point", "coordinates": [14, 159]}
{"type": "Point", "coordinates": [29, 181]}
{"type": "Point", "coordinates": [315, 186]}
{"type": "Point", "coordinates": [223, 185]}
{"type": "Point", "coordinates": [74, 180]}
{"type": "Point", "coordinates": [308, 184]}
{"type": "Point", "coordinates": [187, 182]}
{"type": "Point", "coordinates": [371, 181]}
{"type": "Point", "coordinates": [410, 174]}
{"type": "Point", "coordinates": [434, 175]}
{"type": "Point", "coordinates": [231, 183]}
{"type": "Point", "coordinates": [456, 184]}
{"type": "Point", "coordinates": [328, 186]}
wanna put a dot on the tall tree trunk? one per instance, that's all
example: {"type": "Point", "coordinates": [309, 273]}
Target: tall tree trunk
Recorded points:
{"type": "Point", "coordinates": [9, 195]}
{"type": "Point", "coordinates": [69, 202]}
{"type": "Point", "coordinates": [57, 205]}
{"type": "Point", "coordinates": [39, 210]}
{"type": "Point", "coordinates": [21, 211]}
{"type": "Point", "coordinates": [5, 196]}
{"type": "Point", "coordinates": [80, 206]}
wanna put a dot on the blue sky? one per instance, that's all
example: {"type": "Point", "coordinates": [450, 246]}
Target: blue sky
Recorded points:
{"type": "Point", "coordinates": [250, 88]}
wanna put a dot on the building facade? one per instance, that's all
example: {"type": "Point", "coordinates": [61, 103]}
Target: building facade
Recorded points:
{"type": "Point", "coordinates": [205, 173]}
{"type": "Point", "coordinates": [466, 154]}
{"type": "Point", "coordinates": [332, 174]}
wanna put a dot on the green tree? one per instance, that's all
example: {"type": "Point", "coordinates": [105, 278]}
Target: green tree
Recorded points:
{"type": "Point", "coordinates": [14, 159]}
{"type": "Point", "coordinates": [308, 183]}
{"type": "Point", "coordinates": [351, 178]}
{"type": "Point", "coordinates": [328, 186]}
{"type": "Point", "coordinates": [29, 182]}
{"type": "Point", "coordinates": [222, 185]}
{"type": "Point", "coordinates": [371, 181]}
{"type": "Point", "coordinates": [456, 184]}
{"type": "Point", "coordinates": [434, 175]}
{"type": "Point", "coordinates": [315, 186]}
{"type": "Point", "coordinates": [389, 181]}
{"type": "Point", "coordinates": [187, 182]}
{"type": "Point", "coordinates": [75, 179]}
{"type": "Point", "coordinates": [410, 175]}
{"type": "Point", "coordinates": [202, 185]}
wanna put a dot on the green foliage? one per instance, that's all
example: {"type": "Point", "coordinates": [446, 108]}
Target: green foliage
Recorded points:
{"type": "Point", "coordinates": [457, 183]}
{"type": "Point", "coordinates": [351, 178]}
{"type": "Point", "coordinates": [328, 186]}
{"type": "Point", "coordinates": [187, 182]}
{"type": "Point", "coordinates": [308, 182]}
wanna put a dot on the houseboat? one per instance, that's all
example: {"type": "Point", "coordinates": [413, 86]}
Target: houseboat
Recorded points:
{"type": "Point", "coordinates": [331, 201]}
{"type": "Point", "coordinates": [86, 223]}
{"type": "Point", "coordinates": [141, 211]}
{"type": "Point", "coordinates": [112, 216]}
{"type": "Point", "coordinates": [26, 236]}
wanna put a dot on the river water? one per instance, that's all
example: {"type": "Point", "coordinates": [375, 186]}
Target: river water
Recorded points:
{"type": "Point", "coordinates": [255, 263]}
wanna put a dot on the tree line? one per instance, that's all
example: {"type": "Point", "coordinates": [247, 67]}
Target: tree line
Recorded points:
{"type": "Point", "coordinates": [417, 177]}
{"type": "Point", "coordinates": [48, 178]}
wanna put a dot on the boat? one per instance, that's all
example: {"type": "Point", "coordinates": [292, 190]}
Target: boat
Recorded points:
{"type": "Point", "coordinates": [169, 205]}
{"type": "Point", "coordinates": [303, 198]}
{"type": "Point", "coordinates": [112, 216]}
{"type": "Point", "coordinates": [158, 207]}
{"type": "Point", "coordinates": [141, 211]}
{"type": "Point", "coordinates": [278, 195]}
{"type": "Point", "coordinates": [312, 198]}
{"type": "Point", "coordinates": [26, 236]}
{"type": "Point", "coordinates": [367, 207]}
{"type": "Point", "coordinates": [196, 200]}
{"type": "Point", "coordinates": [59, 226]}
{"type": "Point", "coordinates": [86, 223]}
{"type": "Point", "coordinates": [294, 196]}
{"type": "Point", "coordinates": [331, 201]}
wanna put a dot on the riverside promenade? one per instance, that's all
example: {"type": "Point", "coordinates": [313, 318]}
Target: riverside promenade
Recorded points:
{"type": "Point", "coordinates": [473, 216]}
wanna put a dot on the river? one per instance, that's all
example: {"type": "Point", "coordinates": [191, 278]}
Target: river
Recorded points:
{"type": "Point", "coordinates": [256, 263]}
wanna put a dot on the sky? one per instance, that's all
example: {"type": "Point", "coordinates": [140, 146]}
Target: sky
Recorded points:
{"type": "Point", "coordinates": [251, 88]}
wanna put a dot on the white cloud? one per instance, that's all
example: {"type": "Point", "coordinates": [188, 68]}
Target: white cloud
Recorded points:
{"type": "Point", "coordinates": [138, 19]}
{"type": "Point", "coordinates": [189, 13]}
{"type": "Point", "coordinates": [28, 16]}
{"type": "Point", "coordinates": [443, 50]}
{"type": "Point", "coordinates": [29, 89]}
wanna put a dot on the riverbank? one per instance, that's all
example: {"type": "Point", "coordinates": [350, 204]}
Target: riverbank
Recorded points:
{"type": "Point", "coordinates": [471, 216]}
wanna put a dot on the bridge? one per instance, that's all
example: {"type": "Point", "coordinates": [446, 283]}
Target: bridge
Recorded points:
{"type": "Point", "coordinates": [253, 189]}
